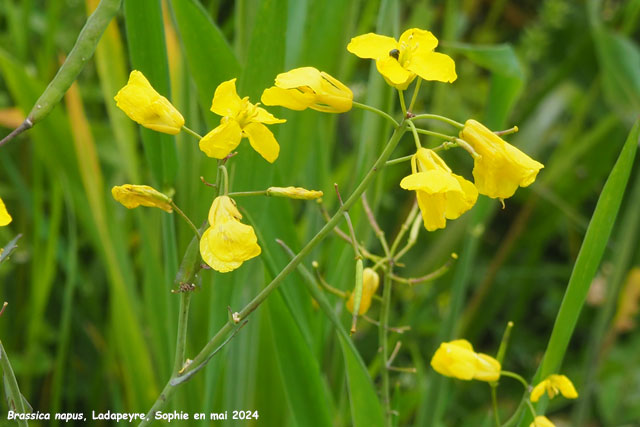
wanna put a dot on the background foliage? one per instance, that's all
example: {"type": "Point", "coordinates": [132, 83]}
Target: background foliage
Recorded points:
{"type": "Point", "coordinates": [91, 322]}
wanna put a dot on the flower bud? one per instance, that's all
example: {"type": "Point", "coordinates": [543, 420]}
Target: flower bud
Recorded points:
{"type": "Point", "coordinates": [294, 193]}
{"type": "Point", "coordinates": [131, 196]}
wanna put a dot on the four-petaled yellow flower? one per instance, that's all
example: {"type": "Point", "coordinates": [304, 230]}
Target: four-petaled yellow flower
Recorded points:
{"type": "Point", "coordinates": [370, 282]}
{"type": "Point", "coordinates": [554, 385]}
{"type": "Point", "coordinates": [140, 101]}
{"type": "Point", "coordinates": [457, 359]}
{"type": "Point", "coordinates": [400, 61]}
{"type": "Point", "coordinates": [501, 167]}
{"type": "Point", "coordinates": [240, 118]}
{"type": "Point", "coordinates": [308, 87]}
{"type": "Point", "coordinates": [542, 421]}
{"type": "Point", "coordinates": [227, 243]}
{"type": "Point", "coordinates": [5, 218]}
{"type": "Point", "coordinates": [294, 193]}
{"type": "Point", "coordinates": [441, 194]}
{"type": "Point", "coordinates": [131, 196]}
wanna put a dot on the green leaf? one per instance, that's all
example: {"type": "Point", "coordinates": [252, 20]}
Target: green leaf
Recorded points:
{"type": "Point", "coordinates": [499, 59]}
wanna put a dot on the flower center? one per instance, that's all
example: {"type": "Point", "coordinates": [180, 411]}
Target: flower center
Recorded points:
{"type": "Point", "coordinates": [395, 53]}
{"type": "Point", "coordinates": [247, 113]}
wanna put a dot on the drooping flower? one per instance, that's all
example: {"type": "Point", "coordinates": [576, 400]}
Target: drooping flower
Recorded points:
{"type": "Point", "coordinates": [308, 87]}
{"type": "Point", "coordinates": [554, 385]}
{"type": "Point", "coordinates": [140, 101]}
{"type": "Point", "coordinates": [400, 61]}
{"type": "Point", "coordinates": [501, 168]}
{"type": "Point", "coordinates": [240, 119]}
{"type": "Point", "coordinates": [131, 196]}
{"type": "Point", "coordinates": [5, 218]}
{"type": "Point", "coordinates": [227, 243]}
{"type": "Point", "coordinates": [441, 194]}
{"type": "Point", "coordinates": [370, 282]}
{"type": "Point", "coordinates": [458, 360]}
{"type": "Point", "coordinates": [294, 193]}
{"type": "Point", "coordinates": [542, 421]}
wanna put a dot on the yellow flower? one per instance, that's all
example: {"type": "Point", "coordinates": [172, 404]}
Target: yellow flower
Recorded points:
{"type": "Point", "coordinates": [308, 87]}
{"type": "Point", "coordinates": [457, 359]}
{"type": "Point", "coordinates": [240, 118]}
{"type": "Point", "coordinates": [553, 385]}
{"type": "Point", "coordinates": [501, 167]}
{"type": "Point", "coordinates": [370, 282]}
{"type": "Point", "coordinates": [140, 101]}
{"type": "Point", "coordinates": [294, 193]}
{"type": "Point", "coordinates": [227, 243]}
{"type": "Point", "coordinates": [5, 218]}
{"type": "Point", "coordinates": [542, 421]}
{"type": "Point", "coordinates": [441, 194]}
{"type": "Point", "coordinates": [400, 61]}
{"type": "Point", "coordinates": [131, 196]}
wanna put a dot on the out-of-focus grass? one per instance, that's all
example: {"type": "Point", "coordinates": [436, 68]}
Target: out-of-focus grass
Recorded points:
{"type": "Point", "coordinates": [91, 322]}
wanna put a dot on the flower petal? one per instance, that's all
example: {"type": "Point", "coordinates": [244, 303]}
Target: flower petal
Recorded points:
{"type": "Point", "coordinates": [131, 196]}
{"type": "Point", "coordinates": [292, 99]}
{"type": "Point", "coordinates": [222, 140]}
{"type": "Point", "coordinates": [459, 203]}
{"type": "Point", "coordinates": [372, 46]}
{"type": "Point", "coordinates": [565, 386]}
{"type": "Point", "coordinates": [226, 246]}
{"type": "Point", "coordinates": [542, 421]}
{"type": "Point", "coordinates": [432, 181]}
{"type": "Point", "coordinates": [415, 38]}
{"type": "Point", "coordinates": [263, 141]}
{"type": "Point", "coordinates": [226, 101]}
{"type": "Point", "coordinates": [263, 116]}
{"type": "Point", "coordinates": [396, 76]}
{"type": "Point", "coordinates": [5, 218]}
{"type": "Point", "coordinates": [303, 76]}
{"type": "Point", "coordinates": [433, 66]}
{"type": "Point", "coordinates": [433, 208]}
{"type": "Point", "coordinates": [538, 391]}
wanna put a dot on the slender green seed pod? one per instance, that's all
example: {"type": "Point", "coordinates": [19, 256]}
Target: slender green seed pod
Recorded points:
{"type": "Point", "coordinates": [81, 53]}
{"type": "Point", "coordinates": [357, 297]}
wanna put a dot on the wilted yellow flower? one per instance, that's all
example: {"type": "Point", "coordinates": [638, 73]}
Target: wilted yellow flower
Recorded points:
{"type": "Point", "coordinates": [441, 194]}
{"type": "Point", "coordinates": [400, 61]}
{"type": "Point", "coordinates": [370, 282]}
{"type": "Point", "coordinates": [308, 87]}
{"type": "Point", "coordinates": [5, 218]}
{"type": "Point", "coordinates": [501, 167]}
{"type": "Point", "coordinates": [140, 101]}
{"type": "Point", "coordinates": [240, 119]}
{"type": "Point", "coordinates": [131, 196]}
{"type": "Point", "coordinates": [542, 421]}
{"type": "Point", "coordinates": [457, 359]}
{"type": "Point", "coordinates": [227, 243]}
{"type": "Point", "coordinates": [554, 385]}
{"type": "Point", "coordinates": [294, 193]}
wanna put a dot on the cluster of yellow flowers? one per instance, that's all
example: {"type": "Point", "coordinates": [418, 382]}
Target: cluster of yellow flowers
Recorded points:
{"type": "Point", "coordinates": [457, 359]}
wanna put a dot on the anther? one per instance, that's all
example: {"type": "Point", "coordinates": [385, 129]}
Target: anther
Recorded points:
{"type": "Point", "coordinates": [395, 53]}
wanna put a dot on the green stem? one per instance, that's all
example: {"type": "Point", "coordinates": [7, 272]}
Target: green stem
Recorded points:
{"type": "Point", "coordinates": [214, 344]}
{"type": "Point", "coordinates": [399, 160]}
{"type": "Point", "coordinates": [375, 110]}
{"type": "Point", "coordinates": [181, 339]}
{"type": "Point", "coordinates": [192, 132]}
{"type": "Point", "coordinates": [384, 342]}
{"type": "Point", "coordinates": [494, 402]}
{"type": "Point", "coordinates": [249, 193]}
{"type": "Point", "coordinates": [186, 218]}
{"type": "Point", "coordinates": [416, 137]}
{"type": "Point", "coordinates": [504, 342]}
{"type": "Point", "coordinates": [437, 117]}
{"type": "Point", "coordinates": [224, 179]}
{"type": "Point", "coordinates": [402, 103]}
{"type": "Point", "coordinates": [14, 397]}
{"type": "Point", "coordinates": [516, 377]}
{"type": "Point", "coordinates": [415, 94]}
{"type": "Point", "coordinates": [436, 134]}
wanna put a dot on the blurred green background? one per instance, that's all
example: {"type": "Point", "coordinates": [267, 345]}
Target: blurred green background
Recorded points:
{"type": "Point", "coordinates": [91, 321]}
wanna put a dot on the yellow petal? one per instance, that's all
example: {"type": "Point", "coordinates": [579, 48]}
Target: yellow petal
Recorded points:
{"type": "Point", "coordinates": [487, 368]}
{"type": "Point", "coordinates": [292, 99]}
{"type": "Point", "coordinates": [501, 168]}
{"type": "Point", "coordinates": [372, 46]}
{"type": "Point", "coordinates": [459, 203]}
{"type": "Point", "coordinates": [263, 141]}
{"type": "Point", "coordinates": [394, 73]}
{"type": "Point", "coordinates": [140, 101]}
{"type": "Point", "coordinates": [131, 196]}
{"type": "Point", "coordinates": [5, 218]}
{"type": "Point", "coordinates": [226, 102]}
{"type": "Point", "coordinates": [417, 39]}
{"type": "Point", "coordinates": [303, 76]}
{"type": "Point", "coordinates": [457, 359]}
{"type": "Point", "coordinates": [542, 421]}
{"type": "Point", "coordinates": [432, 208]}
{"type": "Point", "coordinates": [564, 384]}
{"type": "Point", "coordinates": [263, 116]}
{"type": "Point", "coordinates": [227, 243]}
{"type": "Point", "coordinates": [538, 391]}
{"type": "Point", "coordinates": [370, 283]}
{"type": "Point", "coordinates": [222, 140]}
{"type": "Point", "coordinates": [432, 181]}
{"type": "Point", "coordinates": [433, 66]}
